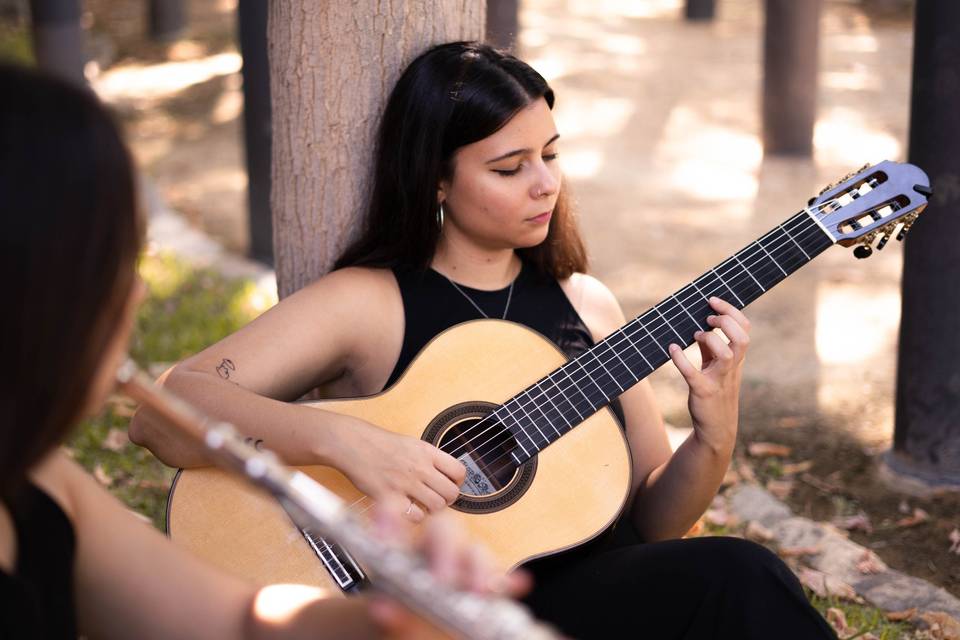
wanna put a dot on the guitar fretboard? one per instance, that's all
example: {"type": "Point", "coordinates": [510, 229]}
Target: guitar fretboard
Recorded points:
{"type": "Point", "coordinates": [558, 402]}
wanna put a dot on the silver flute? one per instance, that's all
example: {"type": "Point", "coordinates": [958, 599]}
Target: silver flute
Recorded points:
{"type": "Point", "coordinates": [396, 572]}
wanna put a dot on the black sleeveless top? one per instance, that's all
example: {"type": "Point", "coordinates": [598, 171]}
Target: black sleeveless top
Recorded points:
{"type": "Point", "coordinates": [431, 304]}
{"type": "Point", "coordinates": [36, 601]}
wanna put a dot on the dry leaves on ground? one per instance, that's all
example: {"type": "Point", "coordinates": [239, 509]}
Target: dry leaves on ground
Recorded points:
{"type": "Point", "coordinates": [780, 488]}
{"type": "Point", "coordinates": [757, 532]}
{"type": "Point", "coordinates": [793, 468]}
{"type": "Point", "coordinates": [857, 522]}
{"type": "Point", "coordinates": [870, 563]}
{"type": "Point", "coordinates": [825, 585]}
{"type": "Point", "coordinates": [941, 625]}
{"type": "Point", "coordinates": [902, 616]}
{"type": "Point", "coordinates": [793, 552]}
{"type": "Point", "coordinates": [767, 449]}
{"type": "Point", "coordinates": [918, 516]}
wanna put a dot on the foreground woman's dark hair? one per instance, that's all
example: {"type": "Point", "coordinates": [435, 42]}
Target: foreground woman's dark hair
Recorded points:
{"type": "Point", "coordinates": [69, 241]}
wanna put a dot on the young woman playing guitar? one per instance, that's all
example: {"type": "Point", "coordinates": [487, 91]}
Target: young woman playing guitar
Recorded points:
{"type": "Point", "coordinates": [72, 559]}
{"type": "Point", "coordinates": [468, 220]}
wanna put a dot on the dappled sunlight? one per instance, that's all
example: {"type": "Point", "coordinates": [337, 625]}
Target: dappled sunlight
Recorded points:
{"type": "Point", "coordinates": [602, 116]}
{"type": "Point", "coordinates": [151, 82]}
{"type": "Point", "coordinates": [857, 78]}
{"type": "Point", "coordinates": [854, 42]}
{"type": "Point", "coordinates": [708, 161]}
{"type": "Point", "coordinates": [842, 137]}
{"type": "Point", "coordinates": [584, 163]}
{"type": "Point", "coordinates": [625, 8]}
{"type": "Point", "coordinates": [855, 322]}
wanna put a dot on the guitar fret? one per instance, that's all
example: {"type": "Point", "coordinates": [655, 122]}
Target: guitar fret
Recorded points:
{"type": "Point", "coordinates": [714, 271]}
{"type": "Point", "coordinates": [614, 367]}
{"type": "Point", "coordinates": [805, 254]}
{"type": "Point", "coordinates": [748, 273]}
{"type": "Point", "coordinates": [636, 348]}
{"type": "Point", "coordinates": [771, 258]}
{"type": "Point", "coordinates": [657, 309]}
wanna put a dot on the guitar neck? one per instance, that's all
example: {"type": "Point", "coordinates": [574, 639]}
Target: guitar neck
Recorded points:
{"type": "Point", "coordinates": [558, 402]}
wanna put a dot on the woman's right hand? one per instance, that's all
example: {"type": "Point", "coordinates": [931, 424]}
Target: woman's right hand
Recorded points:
{"type": "Point", "coordinates": [381, 464]}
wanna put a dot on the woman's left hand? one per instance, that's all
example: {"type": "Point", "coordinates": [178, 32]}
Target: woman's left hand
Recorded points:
{"type": "Point", "coordinates": [715, 387]}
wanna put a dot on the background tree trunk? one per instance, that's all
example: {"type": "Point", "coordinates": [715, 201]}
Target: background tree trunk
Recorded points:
{"type": "Point", "coordinates": [332, 65]}
{"type": "Point", "coordinates": [927, 434]}
{"type": "Point", "coordinates": [790, 62]}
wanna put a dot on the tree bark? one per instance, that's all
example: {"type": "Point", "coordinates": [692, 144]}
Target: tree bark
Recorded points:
{"type": "Point", "coordinates": [927, 433]}
{"type": "Point", "coordinates": [790, 63]}
{"type": "Point", "coordinates": [332, 66]}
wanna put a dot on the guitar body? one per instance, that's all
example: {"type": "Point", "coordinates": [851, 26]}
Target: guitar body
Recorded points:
{"type": "Point", "coordinates": [565, 495]}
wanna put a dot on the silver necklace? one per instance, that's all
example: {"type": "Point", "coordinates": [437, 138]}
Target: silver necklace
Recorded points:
{"type": "Point", "coordinates": [477, 307]}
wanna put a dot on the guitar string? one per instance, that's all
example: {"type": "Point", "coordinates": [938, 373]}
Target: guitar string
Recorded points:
{"type": "Point", "coordinates": [523, 405]}
{"type": "Point", "coordinates": [718, 285]}
{"type": "Point", "coordinates": [625, 337]}
{"type": "Point", "coordinates": [763, 258]}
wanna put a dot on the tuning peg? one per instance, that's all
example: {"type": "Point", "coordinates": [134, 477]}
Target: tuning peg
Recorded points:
{"type": "Point", "coordinates": [883, 241]}
{"type": "Point", "coordinates": [863, 251]}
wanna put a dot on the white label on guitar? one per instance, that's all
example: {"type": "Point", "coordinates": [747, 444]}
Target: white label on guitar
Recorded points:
{"type": "Point", "coordinates": [476, 483]}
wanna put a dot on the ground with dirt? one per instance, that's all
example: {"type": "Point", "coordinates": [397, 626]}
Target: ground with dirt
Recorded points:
{"type": "Point", "coordinates": [660, 123]}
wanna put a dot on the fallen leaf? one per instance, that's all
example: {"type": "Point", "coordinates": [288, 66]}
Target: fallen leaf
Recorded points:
{"type": "Point", "coordinates": [757, 532]}
{"type": "Point", "coordinates": [867, 636]}
{"type": "Point", "coordinates": [825, 585]}
{"type": "Point", "coordinates": [102, 476]}
{"type": "Point", "coordinates": [901, 616]}
{"type": "Point", "coordinates": [780, 488]}
{"type": "Point", "coordinates": [793, 468]}
{"type": "Point", "coordinates": [904, 507]}
{"type": "Point", "coordinates": [819, 484]}
{"type": "Point", "coordinates": [746, 472]}
{"type": "Point", "coordinates": [789, 422]}
{"type": "Point", "coordinates": [116, 440]}
{"type": "Point", "coordinates": [767, 449]}
{"type": "Point", "coordinates": [695, 530]}
{"type": "Point", "coordinates": [858, 522]}
{"type": "Point", "coordinates": [838, 620]}
{"type": "Point", "coordinates": [792, 552]}
{"type": "Point", "coordinates": [870, 563]}
{"type": "Point", "coordinates": [944, 626]}
{"type": "Point", "coordinates": [919, 516]}
{"type": "Point", "coordinates": [955, 541]}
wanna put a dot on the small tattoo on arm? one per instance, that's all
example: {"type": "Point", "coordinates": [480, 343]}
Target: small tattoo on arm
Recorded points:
{"type": "Point", "coordinates": [225, 367]}
{"type": "Point", "coordinates": [255, 442]}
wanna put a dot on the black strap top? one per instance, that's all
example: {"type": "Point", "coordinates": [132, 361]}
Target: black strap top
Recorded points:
{"type": "Point", "coordinates": [36, 601]}
{"type": "Point", "coordinates": [431, 305]}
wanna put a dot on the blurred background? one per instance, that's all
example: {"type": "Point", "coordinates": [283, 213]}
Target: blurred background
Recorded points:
{"type": "Point", "coordinates": [660, 104]}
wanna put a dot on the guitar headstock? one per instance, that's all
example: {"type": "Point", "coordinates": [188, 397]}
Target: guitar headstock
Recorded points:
{"type": "Point", "coordinates": [879, 201]}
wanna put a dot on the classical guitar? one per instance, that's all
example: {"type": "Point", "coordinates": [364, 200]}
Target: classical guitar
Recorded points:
{"type": "Point", "coordinates": [548, 466]}
{"type": "Point", "coordinates": [399, 573]}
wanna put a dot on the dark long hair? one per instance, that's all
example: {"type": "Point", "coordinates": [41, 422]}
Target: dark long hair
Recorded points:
{"type": "Point", "coordinates": [68, 248]}
{"type": "Point", "coordinates": [450, 96]}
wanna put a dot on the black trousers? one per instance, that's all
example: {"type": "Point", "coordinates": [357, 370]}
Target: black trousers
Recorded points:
{"type": "Point", "coordinates": [691, 589]}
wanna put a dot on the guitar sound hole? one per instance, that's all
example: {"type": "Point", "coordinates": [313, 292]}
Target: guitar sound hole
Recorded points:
{"type": "Point", "coordinates": [483, 446]}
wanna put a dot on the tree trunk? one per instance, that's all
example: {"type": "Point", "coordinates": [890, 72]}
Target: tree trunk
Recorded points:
{"type": "Point", "coordinates": [503, 23]}
{"type": "Point", "coordinates": [252, 25]}
{"type": "Point", "coordinates": [927, 434]}
{"type": "Point", "coordinates": [332, 66]}
{"type": "Point", "coordinates": [790, 62]}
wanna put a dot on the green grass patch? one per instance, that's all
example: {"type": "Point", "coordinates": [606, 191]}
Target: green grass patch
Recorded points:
{"type": "Point", "coordinates": [185, 311]}
{"type": "Point", "coordinates": [863, 619]}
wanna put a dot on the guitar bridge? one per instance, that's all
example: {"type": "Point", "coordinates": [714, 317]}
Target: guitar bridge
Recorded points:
{"type": "Point", "coordinates": [338, 562]}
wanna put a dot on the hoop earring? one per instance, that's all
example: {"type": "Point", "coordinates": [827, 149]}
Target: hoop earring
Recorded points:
{"type": "Point", "coordinates": [440, 215]}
